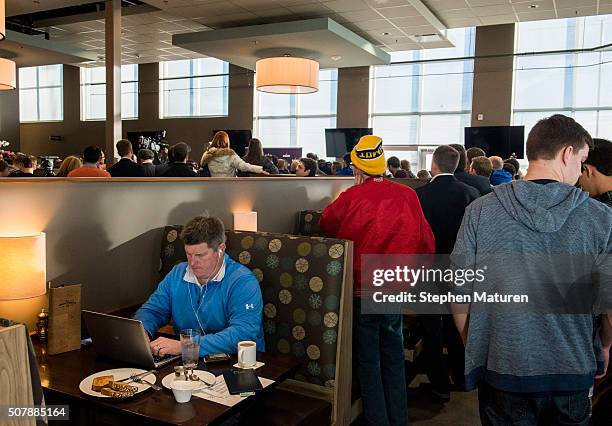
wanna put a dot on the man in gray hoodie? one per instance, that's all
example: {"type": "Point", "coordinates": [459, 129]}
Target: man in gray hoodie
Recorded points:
{"type": "Point", "coordinates": [536, 365]}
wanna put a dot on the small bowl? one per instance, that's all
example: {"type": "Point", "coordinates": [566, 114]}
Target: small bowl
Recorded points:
{"type": "Point", "coordinates": [183, 390]}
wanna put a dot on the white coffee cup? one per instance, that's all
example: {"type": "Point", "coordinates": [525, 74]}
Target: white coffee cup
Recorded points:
{"type": "Point", "coordinates": [247, 354]}
{"type": "Point", "coordinates": [182, 390]}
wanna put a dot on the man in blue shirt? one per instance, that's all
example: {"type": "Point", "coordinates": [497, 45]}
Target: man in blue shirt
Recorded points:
{"type": "Point", "coordinates": [210, 292]}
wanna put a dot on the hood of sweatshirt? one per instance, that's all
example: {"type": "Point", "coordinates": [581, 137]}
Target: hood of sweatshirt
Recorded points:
{"type": "Point", "coordinates": [542, 208]}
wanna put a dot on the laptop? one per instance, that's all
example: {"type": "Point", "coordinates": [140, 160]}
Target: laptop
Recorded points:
{"type": "Point", "coordinates": [124, 339]}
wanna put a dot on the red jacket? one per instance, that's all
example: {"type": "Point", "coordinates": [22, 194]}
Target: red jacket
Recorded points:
{"type": "Point", "coordinates": [380, 217]}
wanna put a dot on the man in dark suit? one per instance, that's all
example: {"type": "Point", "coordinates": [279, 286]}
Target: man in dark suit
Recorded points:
{"type": "Point", "coordinates": [179, 166]}
{"type": "Point", "coordinates": [443, 201]}
{"type": "Point", "coordinates": [481, 183]}
{"type": "Point", "coordinates": [126, 167]}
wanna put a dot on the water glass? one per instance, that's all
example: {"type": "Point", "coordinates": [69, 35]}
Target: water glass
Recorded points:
{"type": "Point", "coordinates": [190, 347]}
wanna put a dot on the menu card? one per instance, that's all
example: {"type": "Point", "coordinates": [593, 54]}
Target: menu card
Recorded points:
{"type": "Point", "coordinates": [220, 394]}
{"type": "Point", "coordinates": [64, 319]}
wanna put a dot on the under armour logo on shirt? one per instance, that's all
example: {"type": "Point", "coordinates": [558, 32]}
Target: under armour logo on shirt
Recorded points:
{"type": "Point", "coordinates": [249, 306]}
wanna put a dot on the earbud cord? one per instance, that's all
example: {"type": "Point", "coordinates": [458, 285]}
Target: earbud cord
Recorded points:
{"type": "Point", "coordinates": [195, 312]}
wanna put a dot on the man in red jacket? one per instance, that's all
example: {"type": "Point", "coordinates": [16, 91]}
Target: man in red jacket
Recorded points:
{"type": "Point", "coordinates": [380, 217]}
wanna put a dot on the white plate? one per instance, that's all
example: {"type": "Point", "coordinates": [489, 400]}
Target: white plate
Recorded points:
{"type": "Point", "coordinates": [119, 374]}
{"type": "Point", "coordinates": [204, 375]}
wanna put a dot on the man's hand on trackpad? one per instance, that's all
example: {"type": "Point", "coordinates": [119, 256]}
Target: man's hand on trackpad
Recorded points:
{"type": "Point", "coordinates": [163, 346]}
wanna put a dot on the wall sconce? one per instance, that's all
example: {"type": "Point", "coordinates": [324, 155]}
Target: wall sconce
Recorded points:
{"type": "Point", "coordinates": [23, 262]}
{"type": "Point", "coordinates": [246, 221]}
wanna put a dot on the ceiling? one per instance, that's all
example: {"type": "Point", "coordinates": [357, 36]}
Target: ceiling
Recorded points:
{"type": "Point", "coordinates": [387, 24]}
{"type": "Point", "coordinates": [321, 39]}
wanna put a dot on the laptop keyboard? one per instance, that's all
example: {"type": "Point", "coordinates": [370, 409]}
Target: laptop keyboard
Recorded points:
{"type": "Point", "coordinates": [157, 359]}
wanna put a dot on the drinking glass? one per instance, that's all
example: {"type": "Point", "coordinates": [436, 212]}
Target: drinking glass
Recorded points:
{"type": "Point", "coordinates": [190, 347]}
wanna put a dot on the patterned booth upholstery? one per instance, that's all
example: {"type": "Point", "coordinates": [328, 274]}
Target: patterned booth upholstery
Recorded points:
{"type": "Point", "coordinates": [308, 223]}
{"type": "Point", "coordinates": [306, 285]}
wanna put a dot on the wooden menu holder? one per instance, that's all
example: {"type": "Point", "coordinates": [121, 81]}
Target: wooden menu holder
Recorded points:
{"type": "Point", "coordinates": [64, 333]}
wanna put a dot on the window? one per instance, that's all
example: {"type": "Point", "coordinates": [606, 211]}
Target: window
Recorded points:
{"type": "Point", "coordinates": [93, 93]}
{"type": "Point", "coordinates": [193, 88]}
{"type": "Point", "coordinates": [574, 84]}
{"type": "Point", "coordinates": [416, 102]}
{"type": "Point", "coordinates": [41, 93]}
{"type": "Point", "coordinates": [298, 120]}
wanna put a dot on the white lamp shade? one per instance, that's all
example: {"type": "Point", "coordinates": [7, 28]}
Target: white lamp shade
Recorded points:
{"type": "Point", "coordinates": [8, 74]}
{"type": "Point", "coordinates": [2, 20]}
{"type": "Point", "coordinates": [245, 221]}
{"type": "Point", "coordinates": [287, 75]}
{"type": "Point", "coordinates": [22, 267]}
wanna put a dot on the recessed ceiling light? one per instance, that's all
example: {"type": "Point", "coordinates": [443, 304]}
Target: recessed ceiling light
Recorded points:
{"type": "Point", "coordinates": [385, 33]}
{"type": "Point", "coordinates": [533, 6]}
{"type": "Point", "coordinates": [335, 57]}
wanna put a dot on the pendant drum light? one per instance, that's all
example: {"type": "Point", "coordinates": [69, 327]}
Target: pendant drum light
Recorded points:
{"type": "Point", "coordinates": [8, 70]}
{"type": "Point", "coordinates": [287, 75]}
{"type": "Point", "coordinates": [2, 20]}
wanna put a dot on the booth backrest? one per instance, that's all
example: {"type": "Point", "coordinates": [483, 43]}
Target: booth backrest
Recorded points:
{"type": "Point", "coordinates": [306, 284]}
{"type": "Point", "coordinates": [308, 223]}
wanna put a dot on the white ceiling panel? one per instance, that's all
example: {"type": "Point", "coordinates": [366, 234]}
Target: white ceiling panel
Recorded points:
{"type": "Point", "coordinates": [398, 11]}
{"type": "Point", "coordinates": [360, 15]}
{"type": "Point", "coordinates": [346, 5]}
{"type": "Point", "coordinates": [369, 18]}
{"type": "Point", "coordinates": [497, 19]}
{"type": "Point", "coordinates": [537, 15]}
{"type": "Point", "coordinates": [577, 11]}
{"type": "Point", "coordinates": [569, 4]}
{"type": "Point", "coordinates": [478, 3]}
{"type": "Point", "coordinates": [440, 5]}
{"type": "Point", "coordinates": [499, 9]}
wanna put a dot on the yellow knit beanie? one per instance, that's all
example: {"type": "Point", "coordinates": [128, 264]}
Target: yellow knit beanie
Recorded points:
{"type": "Point", "coordinates": [368, 155]}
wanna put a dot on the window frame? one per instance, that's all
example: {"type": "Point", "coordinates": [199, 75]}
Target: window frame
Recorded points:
{"type": "Point", "coordinates": [295, 115]}
{"type": "Point", "coordinates": [417, 79]}
{"type": "Point", "coordinates": [83, 88]}
{"type": "Point", "coordinates": [574, 32]}
{"type": "Point", "coordinates": [193, 99]}
{"type": "Point", "coordinates": [37, 88]}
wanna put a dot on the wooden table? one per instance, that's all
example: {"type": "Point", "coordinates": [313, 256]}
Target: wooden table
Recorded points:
{"type": "Point", "coordinates": [61, 374]}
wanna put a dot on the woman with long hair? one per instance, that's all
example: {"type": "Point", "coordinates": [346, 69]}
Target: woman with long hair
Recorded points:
{"type": "Point", "coordinates": [222, 161]}
{"type": "Point", "coordinates": [69, 164]}
{"type": "Point", "coordinates": [255, 155]}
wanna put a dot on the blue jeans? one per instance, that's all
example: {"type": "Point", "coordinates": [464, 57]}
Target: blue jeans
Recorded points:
{"type": "Point", "coordinates": [378, 365]}
{"type": "Point", "coordinates": [504, 408]}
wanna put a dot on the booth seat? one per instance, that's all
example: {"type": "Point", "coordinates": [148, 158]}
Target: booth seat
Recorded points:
{"type": "Point", "coordinates": [306, 284]}
{"type": "Point", "coordinates": [308, 223]}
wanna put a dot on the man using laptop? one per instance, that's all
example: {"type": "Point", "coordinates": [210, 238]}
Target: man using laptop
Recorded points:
{"type": "Point", "coordinates": [210, 292]}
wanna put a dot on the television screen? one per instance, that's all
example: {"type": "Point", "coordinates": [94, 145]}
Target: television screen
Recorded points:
{"type": "Point", "coordinates": [340, 141]}
{"type": "Point", "coordinates": [285, 153]}
{"type": "Point", "coordinates": [503, 141]}
{"type": "Point", "coordinates": [239, 140]}
{"type": "Point", "coordinates": [152, 140]}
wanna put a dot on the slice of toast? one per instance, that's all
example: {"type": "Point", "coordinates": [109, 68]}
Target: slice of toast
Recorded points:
{"type": "Point", "coordinates": [115, 393]}
{"type": "Point", "coordinates": [100, 382]}
{"type": "Point", "coordinates": [122, 387]}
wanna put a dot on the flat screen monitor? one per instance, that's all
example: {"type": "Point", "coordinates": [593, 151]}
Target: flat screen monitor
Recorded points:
{"type": "Point", "coordinates": [239, 140]}
{"type": "Point", "coordinates": [503, 141]}
{"type": "Point", "coordinates": [152, 139]}
{"type": "Point", "coordinates": [340, 141]}
{"type": "Point", "coordinates": [288, 154]}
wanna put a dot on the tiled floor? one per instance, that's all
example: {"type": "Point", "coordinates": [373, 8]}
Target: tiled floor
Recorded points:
{"type": "Point", "coordinates": [462, 410]}
{"type": "Point", "coordinates": [423, 410]}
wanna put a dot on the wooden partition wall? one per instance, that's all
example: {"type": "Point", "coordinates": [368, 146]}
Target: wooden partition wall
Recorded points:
{"type": "Point", "coordinates": [101, 232]}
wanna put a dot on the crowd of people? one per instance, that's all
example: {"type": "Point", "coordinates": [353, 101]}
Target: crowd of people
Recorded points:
{"type": "Point", "coordinates": [219, 160]}
{"type": "Point", "coordinates": [530, 368]}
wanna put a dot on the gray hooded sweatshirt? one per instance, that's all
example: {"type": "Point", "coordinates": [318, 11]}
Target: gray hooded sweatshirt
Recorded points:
{"type": "Point", "coordinates": [560, 227]}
